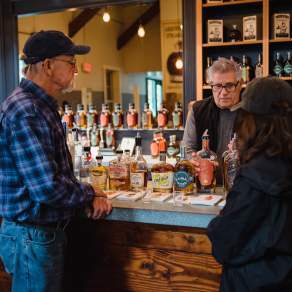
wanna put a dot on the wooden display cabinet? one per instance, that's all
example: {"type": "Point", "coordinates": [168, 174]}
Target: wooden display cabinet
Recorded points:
{"type": "Point", "coordinates": [232, 12]}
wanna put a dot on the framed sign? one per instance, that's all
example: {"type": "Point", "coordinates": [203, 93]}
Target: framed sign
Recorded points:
{"type": "Point", "coordinates": [128, 143]}
{"type": "Point", "coordinates": [249, 28]}
{"type": "Point", "coordinates": [281, 25]}
{"type": "Point", "coordinates": [215, 30]}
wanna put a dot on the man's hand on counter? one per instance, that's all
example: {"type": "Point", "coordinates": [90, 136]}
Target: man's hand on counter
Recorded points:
{"type": "Point", "coordinates": [100, 207]}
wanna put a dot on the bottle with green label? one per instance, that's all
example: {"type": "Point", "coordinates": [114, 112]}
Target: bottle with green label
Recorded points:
{"type": "Point", "coordinates": [288, 66]}
{"type": "Point", "coordinates": [173, 147]}
{"type": "Point", "coordinates": [183, 174]}
{"type": "Point", "coordinates": [278, 66]}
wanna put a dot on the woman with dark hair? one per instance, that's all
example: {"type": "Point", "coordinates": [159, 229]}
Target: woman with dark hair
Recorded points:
{"type": "Point", "coordinates": [252, 236]}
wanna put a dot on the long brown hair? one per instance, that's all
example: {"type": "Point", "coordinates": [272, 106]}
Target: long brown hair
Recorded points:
{"type": "Point", "coordinates": [270, 134]}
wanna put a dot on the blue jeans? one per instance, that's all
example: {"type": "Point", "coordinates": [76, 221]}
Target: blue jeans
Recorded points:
{"type": "Point", "coordinates": [34, 256]}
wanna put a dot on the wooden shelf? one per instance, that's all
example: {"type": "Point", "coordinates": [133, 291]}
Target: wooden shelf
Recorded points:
{"type": "Point", "coordinates": [286, 78]}
{"type": "Point", "coordinates": [228, 44]}
{"type": "Point", "coordinates": [231, 3]}
{"type": "Point", "coordinates": [281, 40]}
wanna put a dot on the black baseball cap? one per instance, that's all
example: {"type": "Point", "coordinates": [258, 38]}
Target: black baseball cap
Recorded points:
{"type": "Point", "coordinates": [48, 44]}
{"type": "Point", "coordinates": [261, 95]}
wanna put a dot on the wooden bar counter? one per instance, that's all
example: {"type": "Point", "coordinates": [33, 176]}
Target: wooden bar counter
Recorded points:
{"type": "Point", "coordinates": [143, 247]}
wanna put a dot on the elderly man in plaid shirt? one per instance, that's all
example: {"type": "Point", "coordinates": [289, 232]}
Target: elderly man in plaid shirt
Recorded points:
{"type": "Point", "coordinates": [38, 191]}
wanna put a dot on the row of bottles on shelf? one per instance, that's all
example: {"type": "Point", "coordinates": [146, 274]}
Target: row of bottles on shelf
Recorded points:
{"type": "Point", "coordinates": [127, 173]}
{"type": "Point", "coordinates": [281, 68]}
{"type": "Point", "coordinates": [87, 119]}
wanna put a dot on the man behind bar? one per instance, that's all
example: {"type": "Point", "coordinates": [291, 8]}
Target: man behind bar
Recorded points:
{"type": "Point", "coordinates": [213, 113]}
{"type": "Point", "coordinates": [38, 191]}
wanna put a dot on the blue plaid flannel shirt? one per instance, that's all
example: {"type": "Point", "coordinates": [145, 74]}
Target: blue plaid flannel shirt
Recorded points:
{"type": "Point", "coordinates": [37, 183]}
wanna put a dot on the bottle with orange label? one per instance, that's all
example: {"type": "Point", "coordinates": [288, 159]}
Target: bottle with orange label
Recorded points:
{"type": "Point", "coordinates": [105, 116]}
{"type": "Point", "coordinates": [147, 118]}
{"type": "Point", "coordinates": [80, 117]}
{"type": "Point", "coordinates": [162, 117]}
{"type": "Point", "coordinates": [158, 144]}
{"type": "Point", "coordinates": [68, 116]}
{"type": "Point", "coordinates": [206, 179]}
{"type": "Point", "coordinates": [132, 117]}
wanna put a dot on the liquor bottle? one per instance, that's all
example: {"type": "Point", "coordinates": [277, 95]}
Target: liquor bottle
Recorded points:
{"type": "Point", "coordinates": [259, 67]}
{"type": "Point", "coordinates": [183, 174]}
{"type": "Point", "coordinates": [68, 116]}
{"type": "Point", "coordinates": [245, 69]}
{"type": "Point", "coordinates": [91, 116]}
{"type": "Point", "coordinates": [209, 64]}
{"type": "Point", "coordinates": [147, 119]}
{"type": "Point", "coordinates": [173, 147]}
{"type": "Point", "coordinates": [158, 144]}
{"type": "Point", "coordinates": [119, 179]}
{"type": "Point", "coordinates": [162, 175]}
{"type": "Point", "coordinates": [234, 34]}
{"type": "Point", "coordinates": [105, 116]}
{"type": "Point", "coordinates": [85, 165]}
{"type": "Point", "coordinates": [132, 117]}
{"type": "Point", "coordinates": [206, 180]}
{"type": "Point", "coordinates": [117, 116]}
{"type": "Point", "coordinates": [278, 65]}
{"type": "Point", "coordinates": [98, 174]}
{"type": "Point", "coordinates": [80, 117]}
{"type": "Point", "coordinates": [162, 117]}
{"type": "Point", "coordinates": [230, 164]}
{"type": "Point", "coordinates": [138, 168]}
{"type": "Point", "coordinates": [177, 116]}
{"type": "Point", "coordinates": [110, 137]}
{"type": "Point", "coordinates": [101, 141]}
{"type": "Point", "coordinates": [288, 66]}
{"type": "Point", "coordinates": [94, 136]}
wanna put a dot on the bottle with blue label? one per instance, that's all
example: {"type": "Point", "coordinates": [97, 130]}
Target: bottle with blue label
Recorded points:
{"type": "Point", "coordinates": [183, 174]}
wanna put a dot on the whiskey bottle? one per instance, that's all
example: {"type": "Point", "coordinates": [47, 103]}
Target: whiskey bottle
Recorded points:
{"type": "Point", "coordinates": [147, 118]}
{"type": "Point", "coordinates": [85, 165]}
{"type": "Point", "coordinates": [132, 117]}
{"type": "Point", "coordinates": [245, 69]}
{"type": "Point", "coordinates": [110, 137]}
{"type": "Point", "coordinates": [105, 116]}
{"type": "Point", "coordinates": [119, 179]}
{"type": "Point", "coordinates": [209, 64]}
{"type": "Point", "coordinates": [177, 116]}
{"type": "Point", "coordinates": [94, 136]}
{"type": "Point", "coordinates": [158, 144]}
{"type": "Point", "coordinates": [138, 169]}
{"type": "Point", "coordinates": [288, 66]}
{"type": "Point", "coordinates": [162, 175]}
{"type": "Point", "coordinates": [98, 174]}
{"type": "Point", "coordinates": [230, 164]}
{"type": "Point", "coordinates": [206, 180]}
{"type": "Point", "coordinates": [234, 34]}
{"type": "Point", "coordinates": [278, 66]}
{"type": "Point", "coordinates": [173, 147]}
{"type": "Point", "coordinates": [183, 174]}
{"type": "Point", "coordinates": [259, 67]}
{"type": "Point", "coordinates": [117, 116]}
{"type": "Point", "coordinates": [91, 116]}
{"type": "Point", "coordinates": [80, 117]}
{"type": "Point", "coordinates": [162, 117]}
{"type": "Point", "coordinates": [68, 116]}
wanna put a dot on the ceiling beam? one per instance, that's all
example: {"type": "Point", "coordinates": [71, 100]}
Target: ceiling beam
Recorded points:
{"type": "Point", "coordinates": [133, 28]}
{"type": "Point", "coordinates": [80, 20]}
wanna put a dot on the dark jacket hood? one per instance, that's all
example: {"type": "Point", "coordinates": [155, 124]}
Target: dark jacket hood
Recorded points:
{"type": "Point", "coordinates": [271, 175]}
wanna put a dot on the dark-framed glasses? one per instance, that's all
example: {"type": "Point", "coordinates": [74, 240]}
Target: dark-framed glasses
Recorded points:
{"type": "Point", "coordinates": [229, 87]}
{"type": "Point", "coordinates": [72, 62]}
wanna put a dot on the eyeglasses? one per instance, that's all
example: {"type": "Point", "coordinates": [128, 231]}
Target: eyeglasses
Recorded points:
{"type": "Point", "coordinates": [229, 87]}
{"type": "Point", "coordinates": [72, 62]}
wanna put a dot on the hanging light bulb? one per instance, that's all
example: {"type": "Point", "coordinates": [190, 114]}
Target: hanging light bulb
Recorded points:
{"type": "Point", "coordinates": [106, 16]}
{"type": "Point", "coordinates": [141, 31]}
{"type": "Point", "coordinates": [179, 63]}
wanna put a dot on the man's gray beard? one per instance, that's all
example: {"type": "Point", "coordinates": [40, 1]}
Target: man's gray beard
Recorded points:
{"type": "Point", "coordinates": [70, 87]}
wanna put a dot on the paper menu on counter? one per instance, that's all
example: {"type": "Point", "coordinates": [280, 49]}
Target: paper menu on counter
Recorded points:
{"type": "Point", "coordinates": [208, 200]}
{"type": "Point", "coordinates": [157, 197]}
{"type": "Point", "coordinates": [129, 196]}
{"type": "Point", "coordinates": [111, 194]}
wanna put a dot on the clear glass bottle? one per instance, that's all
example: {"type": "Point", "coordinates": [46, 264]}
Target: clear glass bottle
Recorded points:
{"type": "Point", "coordinates": [91, 116]}
{"type": "Point", "coordinates": [80, 117]}
{"type": "Point", "coordinates": [138, 168]}
{"type": "Point", "coordinates": [162, 117]}
{"type": "Point", "coordinates": [209, 64]}
{"type": "Point", "coordinates": [147, 118]}
{"type": "Point", "coordinates": [206, 179]}
{"type": "Point", "coordinates": [85, 165]}
{"type": "Point", "coordinates": [173, 147]}
{"type": "Point", "coordinates": [259, 67]}
{"type": "Point", "coordinates": [98, 174]}
{"type": "Point", "coordinates": [94, 136]}
{"type": "Point", "coordinates": [117, 116]}
{"type": "Point", "coordinates": [177, 116]}
{"type": "Point", "coordinates": [288, 66]}
{"type": "Point", "coordinates": [162, 175]}
{"type": "Point", "coordinates": [132, 117]}
{"type": "Point", "coordinates": [105, 116]}
{"type": "Point", "coordinates": [110, 137]}
{"type": "Point", "coordinates": [246, 70]}
{"type": "Point", "coordinates": [278, 66]}
{"type": "Point", "coordinates": [183, 174]}
{"type": "Point", "coordinates": [230, 164]}
{"type": "Point", "coordinates": [119, 179]}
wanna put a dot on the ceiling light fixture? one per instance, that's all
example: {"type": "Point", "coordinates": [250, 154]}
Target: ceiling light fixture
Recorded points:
{"type": "Point", "coordinates": [106, 16]}
{"type": "Point", "coordinates": [179, 63]}
{"type": "Point", "coordinates": [141, 31]}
